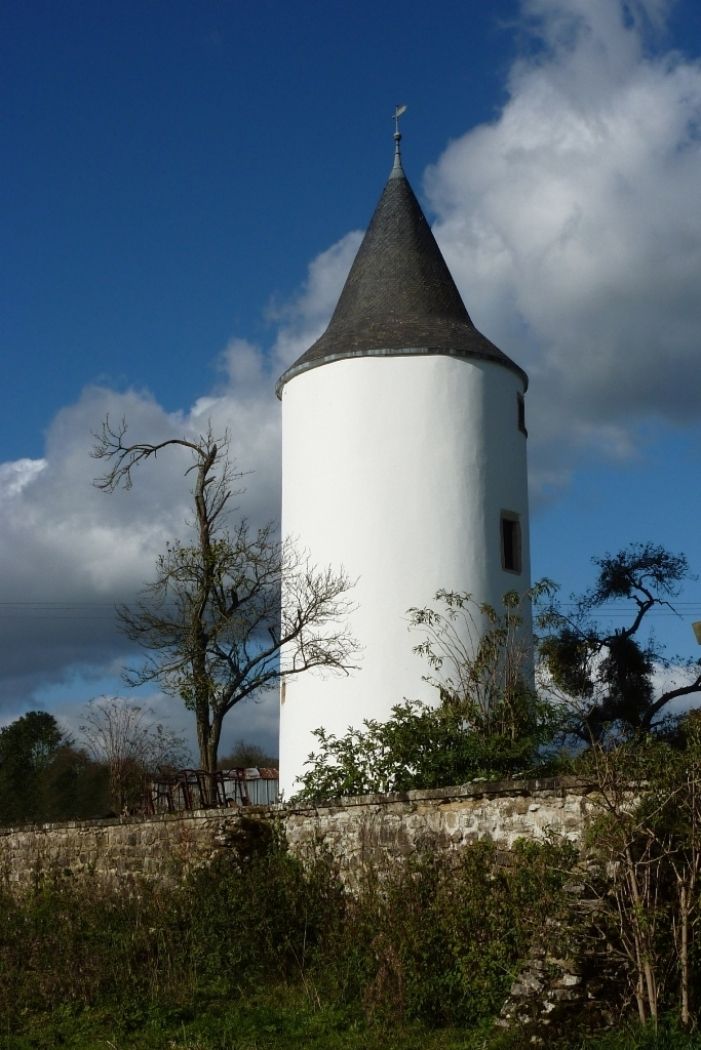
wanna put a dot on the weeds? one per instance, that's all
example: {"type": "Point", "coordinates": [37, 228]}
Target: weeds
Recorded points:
{"type": "Point", "coordinates": [267, 953]}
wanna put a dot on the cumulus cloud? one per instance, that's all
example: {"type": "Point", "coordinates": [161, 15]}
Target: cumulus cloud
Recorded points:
{"type": "Point", "coordinates": [15, 476]}
{"type": "Point", "coordinates": [303, 319]}
{"type": "Point", "coordinates": [71, 552]}
{"type": "Point", "coordinates": [570, 225]}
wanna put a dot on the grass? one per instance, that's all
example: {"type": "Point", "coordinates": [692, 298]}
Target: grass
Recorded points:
{"type": "Point", "coordinates": [282, 1021]}
{"type": "Point", "coordinates": [265, 953]}
{"type": "Point", "coordinates": [278, 1020]}
{"type": "Point", "coordinates": [282, 1018]}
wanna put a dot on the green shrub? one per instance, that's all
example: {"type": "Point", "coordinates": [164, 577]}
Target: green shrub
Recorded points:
{"type": "Point", "coordinates": [260, 918]}
{"type": "Point", "coordinates": [449, 933]}
{"type": "Point", "coordinates": [435, 941]}
{"type": "Point", "coordinates": [418, 747]}
{"type": "Point", "coordinates": [77, 944]}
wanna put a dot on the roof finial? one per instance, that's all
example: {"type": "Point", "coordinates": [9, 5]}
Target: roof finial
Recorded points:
{"type": "Point", "coordinates": [397, 167]}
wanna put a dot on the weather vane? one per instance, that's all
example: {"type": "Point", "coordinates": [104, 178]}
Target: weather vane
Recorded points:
{"type": "Point", "coordinates": [398, 111]}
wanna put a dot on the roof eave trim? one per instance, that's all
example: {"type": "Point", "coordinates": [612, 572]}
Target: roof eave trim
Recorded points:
{"type": "Point", "coordinates": [411, 351]}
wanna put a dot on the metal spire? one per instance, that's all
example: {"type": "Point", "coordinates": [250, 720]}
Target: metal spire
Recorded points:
{"type": "Point", "coordinates": [397, 166]}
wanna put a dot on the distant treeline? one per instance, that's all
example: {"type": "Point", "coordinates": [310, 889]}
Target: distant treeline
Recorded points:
{"type": "Point", "coordinates": [45, 776]}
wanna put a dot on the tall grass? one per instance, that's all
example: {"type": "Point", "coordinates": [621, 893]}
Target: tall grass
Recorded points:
{"type": "Point", "coordinates": [435, 942]}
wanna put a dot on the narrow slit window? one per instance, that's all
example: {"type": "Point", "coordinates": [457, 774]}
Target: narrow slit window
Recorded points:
{"type": "Point", "coordinates": [521, 410]}
{"type": "Point", "coordinates": [510, 542]}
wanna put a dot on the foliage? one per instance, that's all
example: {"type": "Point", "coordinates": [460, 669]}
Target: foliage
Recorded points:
{"type": "Point", "coordinates": [607, 678]}
{"type": "Point", "coordinates": [666, 1036]}
{"type": "Point", "coordinates": [262, 951]}
{"type": "Point", "coordinates": [43, 777]}
{"type": "Point", "coordinates": [245, 755]}
{"type": "Point", "coordinates": [72, 787]}
{"type": "Point", "coordinates": [27, 747]}
{"type": "Point", "coordinates": [418, 747]}
{"type": "Point", "coordinates": [282, 1019]}
{"type": "Point", "coordinates": [230, 614]}
{"type": "Point", "coordinates": [442, 938]}
{"type": "Point", "coordinates": [648, 841]}
{"type": "Point", "coordinates": [432, 943]}
{"type": "Point", "coordinates": [479, 659]}
{"type": "Point", "coordinates": [489, 723]}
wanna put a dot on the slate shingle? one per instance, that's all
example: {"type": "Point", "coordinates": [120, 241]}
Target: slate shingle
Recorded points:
{"type": "Point", "coordinates": [399, 297]}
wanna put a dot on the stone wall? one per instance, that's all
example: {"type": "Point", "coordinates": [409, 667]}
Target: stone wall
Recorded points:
{"type": "Point", "coordinates": [356, 831]}
{"type": "Point", "coordinates": [116, 851]}
{"type": "Point", "coordinates": [369, 828]}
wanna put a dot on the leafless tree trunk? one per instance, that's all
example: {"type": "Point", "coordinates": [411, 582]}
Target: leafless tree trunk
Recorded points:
{"type": "Point", "coordinates": [131, 743]}
{"type": "Point", "coordinates": [216, 621]}
{"type": "Point", "coordinates": [648, 837]}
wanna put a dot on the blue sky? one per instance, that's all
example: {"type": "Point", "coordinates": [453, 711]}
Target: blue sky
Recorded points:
{"type": "Point", "coordinates": [183, 189]}
{"type": "Point", "coordinates": [174, 167]}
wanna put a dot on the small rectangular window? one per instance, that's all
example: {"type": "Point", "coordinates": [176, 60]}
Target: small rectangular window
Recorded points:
{"type": "Point", "coordinates": [521, 409]}
{"type": "Point", "coordinates": [510, 542]}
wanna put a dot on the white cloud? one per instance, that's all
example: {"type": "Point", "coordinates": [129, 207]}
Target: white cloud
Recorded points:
{"type": "Point", "coordinates": [304, 319]}
{"type": "Point", "coordinates": [71, 552]}
{"type": "Point", "coordinates": [15, 476]}
{"type": "Point", "coordinates": [571, 226]}
{"type": "Point", "coordinates": [244, 366]}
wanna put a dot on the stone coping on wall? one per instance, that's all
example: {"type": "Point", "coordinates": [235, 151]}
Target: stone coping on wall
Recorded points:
{"type": "Point", "coordinates": [139, 818]}
{"type": "Point", "coordinates": [474, 789]}
{"type": "Point", "coordinates": [547, 787]}
{"type": "Point", "coordinates": [355, 831]}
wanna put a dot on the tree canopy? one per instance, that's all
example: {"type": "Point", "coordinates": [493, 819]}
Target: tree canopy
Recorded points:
{"type": "Point", "coordinates": [43, 776]}
{"type": "Point", "coordinates": [608, 678]}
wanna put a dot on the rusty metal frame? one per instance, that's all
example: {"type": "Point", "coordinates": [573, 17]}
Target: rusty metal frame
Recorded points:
{"type": "Point", "coordinates": [192, 789]}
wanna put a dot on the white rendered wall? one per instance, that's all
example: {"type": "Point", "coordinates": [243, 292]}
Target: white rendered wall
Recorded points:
{"type": "Point", "coordinates": [397, 468]}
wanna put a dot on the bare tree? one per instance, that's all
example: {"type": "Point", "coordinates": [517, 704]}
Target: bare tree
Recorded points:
{"type": "Point", "coordinates": [228, 615]}
{"type": "Point", "coordinates": [132, 745]}
{"type": "Point", "coordinates": [646, 837]}
{"type": "Point", "coordinates": [480, 658]}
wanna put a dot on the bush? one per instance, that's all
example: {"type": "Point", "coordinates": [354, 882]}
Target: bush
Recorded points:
{"type": "Point", "coordinates": [262, 918]}
{"type": "Point", "coordinates": [435, 940]}
{"type": "Point", "coordinates": [448, 934]}
{"type": "Point", "coordinates": [419, 747]}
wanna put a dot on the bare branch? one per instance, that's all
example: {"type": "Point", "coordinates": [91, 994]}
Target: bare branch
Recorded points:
{"type": "Point", "coordinates": [607, 677]}
{"type": "Point", "coordinates": [228, 615]}
{"type": "Point", "coordinates": [131, 743]}
{"type": "Point", "coordinates": [110, 445]}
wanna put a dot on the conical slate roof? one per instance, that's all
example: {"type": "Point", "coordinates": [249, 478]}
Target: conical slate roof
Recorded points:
{"type": "Point", "coordinates": [399, 297]}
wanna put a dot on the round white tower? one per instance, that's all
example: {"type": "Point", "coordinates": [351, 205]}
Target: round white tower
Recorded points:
{"type": "Point", "coordinates": [404, 460]}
